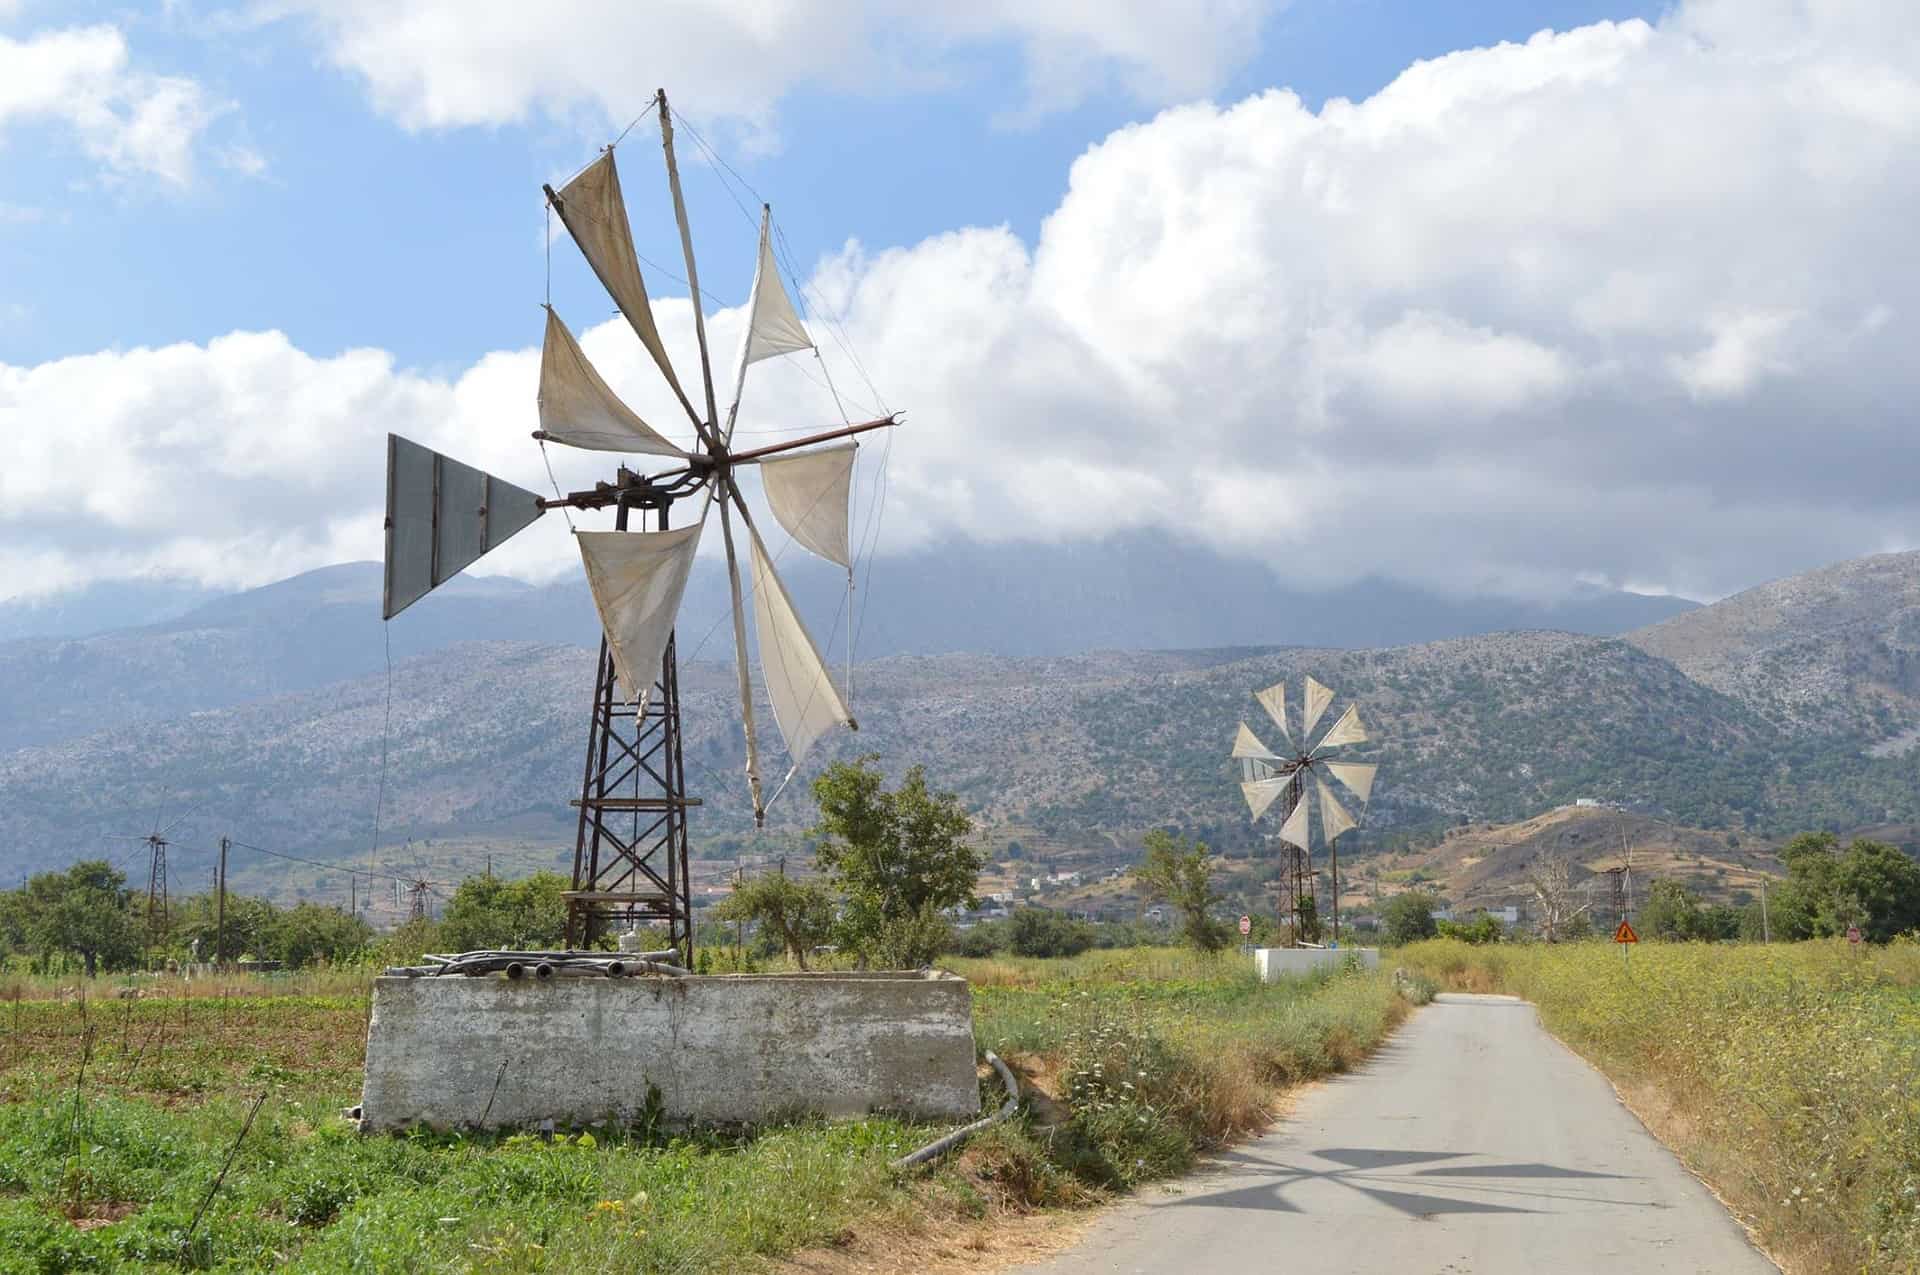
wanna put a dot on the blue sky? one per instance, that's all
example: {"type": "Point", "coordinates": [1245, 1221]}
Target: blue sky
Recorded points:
{"type": "Point", "coordinates": [1626, 301]}
{"type": "Point", "coordinates": [425, 243]}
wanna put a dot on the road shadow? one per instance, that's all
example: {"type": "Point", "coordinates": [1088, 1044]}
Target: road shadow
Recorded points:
{"type": "Point", "coordinates": [1394, 1177]}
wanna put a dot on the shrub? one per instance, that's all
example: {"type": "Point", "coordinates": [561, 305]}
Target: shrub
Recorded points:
{"type": "Point", "coordinates": [1408, 917]}
{"type": "Point", "coordinates": [1042, 932]}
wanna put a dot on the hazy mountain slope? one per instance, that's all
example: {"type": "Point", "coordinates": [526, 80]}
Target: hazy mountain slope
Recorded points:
{"type": "Point", "coordinates": [1140, 593]}
{"type": "Point", "coordinates": [1079, 748]}
{"type": "Point", "coordinates": [1833, 650]}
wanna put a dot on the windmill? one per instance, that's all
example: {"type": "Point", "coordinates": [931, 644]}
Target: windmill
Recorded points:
{"type": "Point", "coordinates": [1267, 776]}
{"type": "Point", "coordinates": [630, 852]}
{"type": "Point", "coordinates": [158, 913]}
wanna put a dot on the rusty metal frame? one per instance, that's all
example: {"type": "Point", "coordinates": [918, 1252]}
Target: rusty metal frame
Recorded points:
{"type": "Point", "coordinates": [630, 847]}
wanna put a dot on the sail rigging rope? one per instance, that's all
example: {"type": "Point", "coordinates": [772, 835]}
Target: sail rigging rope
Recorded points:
{"type": "Point", "coordinates": [557, 493]}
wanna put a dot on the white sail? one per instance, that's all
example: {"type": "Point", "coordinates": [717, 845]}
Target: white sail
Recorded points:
{"type": "Point", "coordinates": [578, 409]}
{"type": "Point", "coordinates": [1345, 731]}
{"type": "Point", "coordinates": [1247, 744]}
{"type": "Point", "coordinates": [809, 492]}
{"type": "Point", "coordinates": [638, 578]}
{"type": "Point", "coordinates": [1261, 793]}
{"type": "Point", "coordinates": [1357, 776]}
{"type": "Point", "coordinates": [1294, 830]}
{"type": "Point", "coordinates": [595, 214]}
{"type": "Point", "coordinates": [1318, 697]}
{"type": "Point", "coordinates": [1274, 700]}
{"type": "Point", "coordinates": [773, 325]}
{"type": "Point", "coordinates": [1334, 818]}
{"type": "Point", "coordinates": [806, 704]}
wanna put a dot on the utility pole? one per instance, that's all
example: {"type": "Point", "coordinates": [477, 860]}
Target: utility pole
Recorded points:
{"type": "Point", "coordinates": [739, 926]}
{"type": "Point", "coordinates": [1766, 929]}
{"type": "Point", "coordinates": [220, 911]}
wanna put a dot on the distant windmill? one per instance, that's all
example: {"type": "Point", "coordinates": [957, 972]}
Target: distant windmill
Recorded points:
{"type": "Point", "coordinates": [158, 914]}
{"type": "Point", "coordinates": [630, 853]}
{"type": "Point", "coordinates": [1268, 776]}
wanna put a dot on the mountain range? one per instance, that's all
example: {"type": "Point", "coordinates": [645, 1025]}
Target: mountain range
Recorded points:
{"type": "Point", "coordinates": [266, 714]}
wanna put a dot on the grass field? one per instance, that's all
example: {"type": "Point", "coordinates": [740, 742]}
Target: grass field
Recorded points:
{"type": "Point", "coordinates": [117, 1115]}
{"type": "Point", "coordinates": [1787, 1075]}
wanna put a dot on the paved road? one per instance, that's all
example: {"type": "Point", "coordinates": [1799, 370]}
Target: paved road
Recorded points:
{"type": "Point", "coordinates": [1472, 1144]}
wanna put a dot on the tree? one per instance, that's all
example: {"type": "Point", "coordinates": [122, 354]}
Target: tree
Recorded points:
{"type": "Point", "coordinates": [797, 914]}
{"type": "Point", "coordinates": [1044, 932]}
{"type": "Point", "coordinates": [1408, 917]}
{"type": "Point", "coordinates": [85, 910]}
{"type": "Point", "coordinates": [1671, 912]}
{"type": "Point", "coordinates": [1552, 886]}
{"type": "Point", "coordinates": [1177, 872]}
{"type": "Point", "coordinates": [1883, 886]}
{"type": "Point", "coordinates": [899, 857]}
{"type": "Point", "coordinates": [1870, 884]}
{"type": "Point", "coordinates": [492, 912]}
{"type": "Point", "coordinates": [310, 932]}
{"type": "Point", "coordinates": [248, 922]}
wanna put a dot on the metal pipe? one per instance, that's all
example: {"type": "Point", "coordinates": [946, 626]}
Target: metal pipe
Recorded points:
{"type": "Point", "coordinates": [940, 1146]}
{"type": "Point", "coordinates": [845, 431]}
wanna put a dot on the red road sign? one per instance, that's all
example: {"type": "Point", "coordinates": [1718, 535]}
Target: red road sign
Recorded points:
{"type": "Point", "coordinates": [1853, 934]}
{"type": "Point", "coordinates": [1246, 925]}
{"type": "Point", "coordinates": [1625, 934]}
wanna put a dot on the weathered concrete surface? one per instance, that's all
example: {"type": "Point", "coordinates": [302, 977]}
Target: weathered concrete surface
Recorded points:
{"type": "Point", "coordinates": [737, 1048]}
{"type": "Point", "coordinates": [1472, 1144]}
{"type": "Point", "coordinates": [1286, 962]}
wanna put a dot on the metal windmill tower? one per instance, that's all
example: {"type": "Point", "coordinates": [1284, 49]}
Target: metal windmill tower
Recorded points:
{"type": "Point", "coordinates": [158, 914]}
{"type": "Point", "coordinates": [1267, 776]}
{"type": "Point", "coordinates": [630, 852]}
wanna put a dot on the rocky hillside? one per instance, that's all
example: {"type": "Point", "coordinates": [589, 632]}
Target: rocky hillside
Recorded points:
{"type": "Point", "coordinates": [1835, 651]}
{"type": "Point", "coordinates": [1716, 720]}
{"type": "Point", "coordinates": [1488, 865]}
{"type": "Point", "coordinates": [1091, 747]}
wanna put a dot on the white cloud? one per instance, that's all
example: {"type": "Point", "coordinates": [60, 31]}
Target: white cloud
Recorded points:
{"type": "Point", "coordinates": [1631, 303]}
{"type": "Point", "coordinates": [131, 121]}
{"type": "Point", "coordinates": [442, 63]}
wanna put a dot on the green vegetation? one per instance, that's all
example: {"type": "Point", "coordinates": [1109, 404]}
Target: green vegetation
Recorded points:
{"type": "Point", "coordinates": [899, 858]}
{"type": "Point", "coordinates": [492, 912]}
{"type": "Point", "coordinates": [87, 914]}
{"type": "Point", "coordinates": [1408, 917]}
{"type": "Point", "coordinates": [1871, 885]}
{"type": "Point", "coordinates": [1178, 872]}
{"type": "Point", "coordinates": [1133, 1062]}
{"type": "Point", "coordinates": [1784, 1074]}
{"type": "Point", "coordinates": [797, 915]}
{"type": "Point", "coordinates": [1040, 932]}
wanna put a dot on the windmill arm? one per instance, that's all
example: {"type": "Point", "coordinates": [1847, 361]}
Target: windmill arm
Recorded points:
{"type": "Point", "coordinates": [710, 432]}
{"type": "Point", "coordinates": [845, 431]}
{"type": "Point", "coordinates": [740, 660]}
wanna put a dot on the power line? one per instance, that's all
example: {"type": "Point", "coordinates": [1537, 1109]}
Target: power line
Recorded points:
{"type": "Point", "coordinates": [338, 867]}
